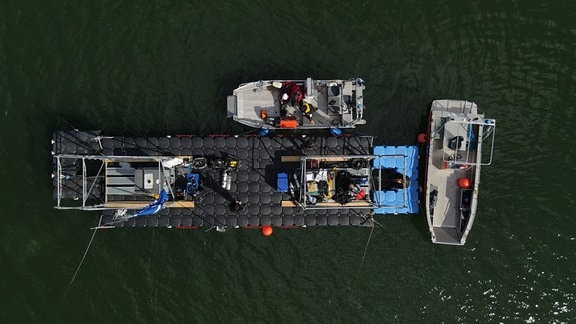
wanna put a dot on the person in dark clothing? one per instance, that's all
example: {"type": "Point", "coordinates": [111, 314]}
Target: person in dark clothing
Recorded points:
{"type": "Point", "coordinates": [392, 180]}
{"type": "Point", "coordinates": [291, 94]}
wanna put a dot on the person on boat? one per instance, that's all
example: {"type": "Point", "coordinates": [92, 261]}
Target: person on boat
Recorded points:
{"type": "Point", "coordinates": [395, 180]}
{"type": "Point", "coordinates": [306, 109]}
{"type": "Point", "coordinates": [355, 192]}
{"type": "Point", "coordinates": [291, 94]}
{"type": "Point", "coordinates": [342, 196]}
{"type": "Point", "coordinates": [349, 193]}
{"type": "Point", "coordinates": [397, 183]}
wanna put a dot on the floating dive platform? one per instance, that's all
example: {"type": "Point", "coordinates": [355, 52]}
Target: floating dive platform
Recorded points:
{"type": "Point", "coordinates": [228, 181]}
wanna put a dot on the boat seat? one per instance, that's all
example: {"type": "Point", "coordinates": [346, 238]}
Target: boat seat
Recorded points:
{"type": "Point", "coordinates": [333, 91]}
{"type": "Point", "coordinates": [347, 99]}
{"type": "Point", "coordinates": [120, 190]}
{"type": "Point", "coordinates": [333, 109]}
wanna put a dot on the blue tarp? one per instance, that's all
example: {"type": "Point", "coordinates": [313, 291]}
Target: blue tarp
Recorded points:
{"type": "Point", "coordinates": [155, 206]}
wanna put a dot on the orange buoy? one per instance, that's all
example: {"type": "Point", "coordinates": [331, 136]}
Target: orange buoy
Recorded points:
{"type": "Point", "coordinates": [267, 230]}
{"type": "Point", "coordinates": [422, 138]}
{"type": "Point", "coordinates": [264, 114]}
{"type": "Point", "coordinates": [464, 183]}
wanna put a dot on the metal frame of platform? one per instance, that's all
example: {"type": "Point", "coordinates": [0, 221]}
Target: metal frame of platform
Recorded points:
{"type": "Point", "coordinates": [253, 184]}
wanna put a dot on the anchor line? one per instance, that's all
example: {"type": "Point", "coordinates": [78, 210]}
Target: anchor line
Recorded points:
{"type": "Point", "coordinates": [81, 261]}
{"type": "Point", "coordinates": [366, 248]}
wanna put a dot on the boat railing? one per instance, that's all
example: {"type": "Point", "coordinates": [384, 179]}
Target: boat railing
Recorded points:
{"type": "Point", "coordinates": [311, 163]}
{"type": "Point", "coordinates": [464, 140]}
{"type": "Point", "coordinates": [84, 185]}
{"type": "Point", "coordinates": [487, 134]}
{"type": "Point", "coordinates": [371, 163]}
{"type": "Point", "coordinates": [357, 111]}
{"type": "Point", "coordinates": [405, 180]}
{"type": "Point", "coordinates": [80, 185]}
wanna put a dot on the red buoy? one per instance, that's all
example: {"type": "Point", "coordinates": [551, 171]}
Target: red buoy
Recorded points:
{"type": "Point", "coordinates": [464, 183]}
{"type": "Point", "coordinates": [267, 230]}
{"type": "Point", "coordinates": [422, 138]}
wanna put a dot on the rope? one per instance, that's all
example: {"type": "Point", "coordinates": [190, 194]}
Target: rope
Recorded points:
{"type": "Point", "coordinates": [81, 261]}
{"type": "Point", "coordinates": [366, 248]}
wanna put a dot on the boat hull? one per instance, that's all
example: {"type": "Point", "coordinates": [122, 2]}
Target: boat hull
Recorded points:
{"type": "Point", "coordinates": [455, 139]}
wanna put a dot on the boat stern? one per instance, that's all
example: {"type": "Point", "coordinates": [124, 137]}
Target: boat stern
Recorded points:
{"type": "Point", "coordinates": [457, 134]}
{"type": "Point", "coordinates": [232, 105]}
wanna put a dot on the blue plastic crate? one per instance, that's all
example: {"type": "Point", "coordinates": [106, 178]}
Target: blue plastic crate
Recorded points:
{"type": "Point", "coordinates": [282, 183]}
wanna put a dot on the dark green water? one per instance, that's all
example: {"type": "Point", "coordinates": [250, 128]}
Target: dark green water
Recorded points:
{"type": "Point", "coordinates": [165, 67]}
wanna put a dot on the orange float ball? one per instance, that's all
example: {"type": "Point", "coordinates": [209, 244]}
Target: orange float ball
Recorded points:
{"type": "Point", "coordinates": [422, 138]}
{"type": "Point", "coordinates": [464, 183]}
{"type": "Point", "coordinates": [267, 230]}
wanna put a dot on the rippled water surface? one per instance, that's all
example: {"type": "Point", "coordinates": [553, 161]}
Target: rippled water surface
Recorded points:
{"type": "Point", "coordinates": [165, 67]}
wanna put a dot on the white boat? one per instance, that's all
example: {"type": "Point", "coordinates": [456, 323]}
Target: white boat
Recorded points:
{"type": "Point", "coordinates": [299, 104]}
{"type": "Point", "coordinates": [458, 134]}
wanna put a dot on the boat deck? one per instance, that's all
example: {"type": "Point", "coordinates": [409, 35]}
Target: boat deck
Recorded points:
{"type": "Point", "coordinates": [336, 103]}
{"type": "Point", "coordinates": [443, 178]}
{"type": "Point", "coordinates": [265, 99]}
{"type": "Point", "coordinates": [457, 132]}
{"type": "Point", "coordinates": [254, 182]}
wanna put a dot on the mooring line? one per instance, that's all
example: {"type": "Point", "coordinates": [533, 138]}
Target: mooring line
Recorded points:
{"type": "Point", "coordinates": [81, 261]}
{"type": "Point", "coordinates": [375, 222]}
{"type": "Point", "coordinates": [366, 248]}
